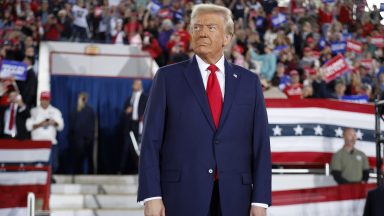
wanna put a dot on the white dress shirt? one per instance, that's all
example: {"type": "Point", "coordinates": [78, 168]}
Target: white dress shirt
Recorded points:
{"type": "Point", "coordinates": [135, 98]}
{"type": "Point", "coordinates": [203, 67]}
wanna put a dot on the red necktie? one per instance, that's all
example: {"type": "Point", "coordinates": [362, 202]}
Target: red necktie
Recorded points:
{"type": "Point", "coordinates": [215, 100]}
{"type": "Point", "coordinates": [214, 94]}
{"type": "Point", "coordinates": [11, 118]}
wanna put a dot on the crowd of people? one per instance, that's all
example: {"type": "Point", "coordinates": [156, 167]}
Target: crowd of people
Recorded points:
{"type": "Point", "coordinates": [287, 45]}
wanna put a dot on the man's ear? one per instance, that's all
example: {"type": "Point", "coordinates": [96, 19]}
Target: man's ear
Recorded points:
{"type": "Point", "coordinates": [227, 39]}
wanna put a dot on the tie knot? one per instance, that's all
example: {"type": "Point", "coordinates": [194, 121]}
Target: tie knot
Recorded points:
{"type": "Point", "coordinates": [213, 68]}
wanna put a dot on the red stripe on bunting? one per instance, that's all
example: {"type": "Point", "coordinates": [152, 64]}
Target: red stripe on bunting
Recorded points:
{"type": "Point", "coordinates": [23, 144]}
{"type": "Point", "coordinates": [323, 194]}
{"type": "Point", "coordinates": [307, 158]}
{"type": "Point", "coordinates": [321, 103]}
{"type": "Point", "coordinates": [16, 195]}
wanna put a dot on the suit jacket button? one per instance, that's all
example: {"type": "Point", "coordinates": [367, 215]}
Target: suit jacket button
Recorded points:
{"type": "Point", "coordinates": [210, 171]}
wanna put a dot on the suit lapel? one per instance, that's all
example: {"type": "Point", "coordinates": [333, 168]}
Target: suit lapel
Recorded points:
{"type": "Point", "coordinates": [195, 81]}
{"type": "Point", "coordinates": [232, 78]}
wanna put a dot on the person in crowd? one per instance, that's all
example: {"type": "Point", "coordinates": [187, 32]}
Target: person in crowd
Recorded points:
{"type": "Point", "coordinates": [66, 22]}
{"type": "Point", "coordinates": [295, 89]}
{"type": "Point", "coordinates": [80, 24]}
{"type": "Point", "coordinates": [273, 91]}
{"type": "Point", "coordinates": [13, 117]}
{"type": "Point", "coordinates": [28, 87]}
{"type": "Point", "coordinates": [44, 123]}
{"type": "Point", "coordinates": [52, 29]}
{"type": "Point", "coordinates": [132, 121]}
{"type": "Point", "coordinates": [81, 134]}
{"type": "Point", "coordinates": [349, 165]}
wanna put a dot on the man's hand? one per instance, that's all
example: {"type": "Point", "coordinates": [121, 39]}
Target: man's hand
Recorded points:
{"type": "Point", "coordinates": [258, 211]}
{"type": "Point", "coordinates": [129, 110]}
{"type": "Point", "coordinates": [154, 208]}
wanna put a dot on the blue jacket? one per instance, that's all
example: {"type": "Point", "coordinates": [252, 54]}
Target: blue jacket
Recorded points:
{"type": "Point", "coordinates": [180, 145]}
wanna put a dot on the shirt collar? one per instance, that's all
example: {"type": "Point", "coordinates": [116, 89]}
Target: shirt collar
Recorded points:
{"type": "Point", "coordinates": [203, 65]}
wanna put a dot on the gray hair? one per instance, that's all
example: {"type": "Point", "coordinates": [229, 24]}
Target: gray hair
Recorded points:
{"type": "Point", "coordinates": [211, 8]}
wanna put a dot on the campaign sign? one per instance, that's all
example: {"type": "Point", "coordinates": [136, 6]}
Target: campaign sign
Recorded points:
{"type": "Point", "coordinates": [334, 68]}
{"type": "Point", "coordinates": [328, 1]}
{"type": "Point", "coordinates": [322, 43]}
{"type": "Point", "coordinates": [355, 98]}
{"type": "Point", "coordinates": [354, 46]}
{"type": "Point", "coordinates": [15, 69]}
{"type": "Point", "coordinates": [278, 49]}
{"type": "Point", "coordinates": [260, 21]}
{"type": "Point", "coordinates": [338, 47]}
{"type": "Point", "coordinates": [367, 63]}
{"type": "Point", "coordinates": [279, 20]}
{"type": "Point", "coordinates": [377, 41]}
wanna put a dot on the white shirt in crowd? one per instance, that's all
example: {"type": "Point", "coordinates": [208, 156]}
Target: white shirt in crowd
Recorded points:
{"type": "Point", "coordinates": [203, 67]}
{"type": "Point", "coordinates": [38, 114]}
{"type": "Point", "coordinates": [80, 16]}
{"type": "Point", "coordinates": [135, 105]}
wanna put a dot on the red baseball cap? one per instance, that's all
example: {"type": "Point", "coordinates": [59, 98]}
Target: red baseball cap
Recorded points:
{"type": "Point", "coordinates": [45, 95]}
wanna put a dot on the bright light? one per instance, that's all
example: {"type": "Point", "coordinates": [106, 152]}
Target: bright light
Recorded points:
{"type": "Point", "coordinates": [370, 3]}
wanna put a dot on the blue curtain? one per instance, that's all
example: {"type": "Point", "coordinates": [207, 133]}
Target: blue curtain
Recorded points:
{"type": "Point", "coordinates": [106, 97]}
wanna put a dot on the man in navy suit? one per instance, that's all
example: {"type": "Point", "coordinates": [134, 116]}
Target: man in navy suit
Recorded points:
{"type": "Point", "coordinates": [132, 118]}
{"type": "Point", "coordinates": [205, 146]}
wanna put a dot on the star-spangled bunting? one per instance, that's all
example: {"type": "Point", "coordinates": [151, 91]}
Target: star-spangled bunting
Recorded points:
{"type": "Point", "coordinates": [318, 130]}
{"type": "Point", "coordinates": [339, 132]}
{"type": "Point", "coordinates": [298, 130]}
{"type": "Point", "coordinates": [277, 131]}
{"type": "Point", "coordinates": [324, 130]}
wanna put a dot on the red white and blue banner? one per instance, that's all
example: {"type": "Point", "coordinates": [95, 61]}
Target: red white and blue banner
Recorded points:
{"type": "Point", "coordinates": [24, 169]}
{"type": "Point", "coordinates": [310, 131]}
{"type": "Point", "coordinates": [337, 200]}
{"type": "Point", "coordinates": [15, 152]}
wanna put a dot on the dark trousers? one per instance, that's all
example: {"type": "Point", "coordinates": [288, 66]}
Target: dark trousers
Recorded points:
{"type": "Point", "coordinates": [129, 158]}
{"type": "Point", "coordinates": [54, 158]}
{"type": "Point", "coordinates": [82, 153]}
{"type": "Point", "coordinates": [214, 209]}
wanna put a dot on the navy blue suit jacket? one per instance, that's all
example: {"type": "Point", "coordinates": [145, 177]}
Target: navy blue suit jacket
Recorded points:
{"type": "Point", "coordinates": [180, 144]}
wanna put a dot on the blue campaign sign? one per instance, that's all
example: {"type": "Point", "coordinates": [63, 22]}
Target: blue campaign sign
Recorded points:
{"type": "Point", "coordinates": [279, 20]}
{"type": "Point", "coordinates": [260, 22]}
{"type": "Point", "coordinates": [278, 49]}
{"type": "Point", "coordinates": [338, 47]}
{"type": "Point", "coordinates": [15, 69]}
{"type": "Point", "coordinates": [328, 1]}
{"type": "Point", "coordinates": [355, 98]}
{"type": "Point", "coordinates": [154, 6]}
{"type": "Point", "coordinates": [322, 43]}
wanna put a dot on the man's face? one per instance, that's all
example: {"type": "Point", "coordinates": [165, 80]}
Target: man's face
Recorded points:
{"type": "Point", "coordinates": [350, 137]}
{"type": "Point", "coordinates": [44, 103]}
{"type": "Point", "coordinates": [209, 36]}
{"type": "Point", "coordinates": [295, 79]}
{"type": "Point", "coordinates": [12, 97]}
{"type": "Point", "coordinates": [136, 85]}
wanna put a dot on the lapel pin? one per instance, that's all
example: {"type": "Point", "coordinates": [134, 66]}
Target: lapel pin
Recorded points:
{"type": "Point", "coordinates": [235, 75]}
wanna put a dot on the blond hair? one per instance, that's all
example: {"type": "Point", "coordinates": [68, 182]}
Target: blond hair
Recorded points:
{"type": "Point", "coordinates": [211, 8]}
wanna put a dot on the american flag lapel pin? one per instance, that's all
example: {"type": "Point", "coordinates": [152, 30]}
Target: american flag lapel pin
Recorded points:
{"type": "Point", "coordinates": [235, 75]}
